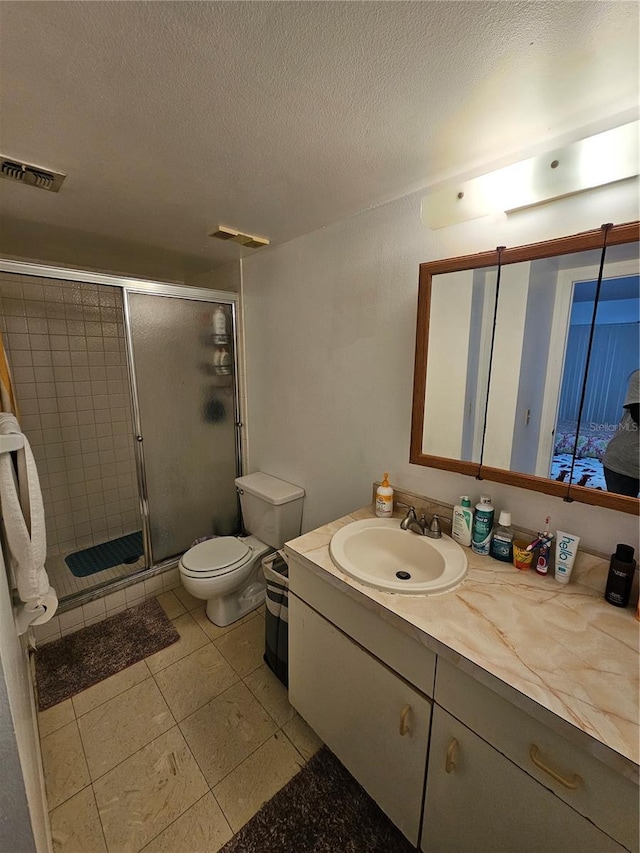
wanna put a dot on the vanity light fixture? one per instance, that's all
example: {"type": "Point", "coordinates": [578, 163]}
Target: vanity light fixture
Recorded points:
{"type": "Point", "coordinates": [248, 240]}
{"type": "Point", "coordinates": [605, 158]}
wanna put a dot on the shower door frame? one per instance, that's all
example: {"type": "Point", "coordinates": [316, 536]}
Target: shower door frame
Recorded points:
{"type": "Point", "coordinates": [172, 292]}
{"type": "Point", "coordinates": [153, 288]}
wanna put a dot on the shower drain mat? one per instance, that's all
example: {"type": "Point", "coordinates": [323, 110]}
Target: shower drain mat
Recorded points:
{"type": "Point", "coordinates": [126, 549]}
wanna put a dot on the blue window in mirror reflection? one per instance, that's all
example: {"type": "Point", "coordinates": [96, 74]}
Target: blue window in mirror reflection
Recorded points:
{"type": "Point", "coordinates": [614, 360]}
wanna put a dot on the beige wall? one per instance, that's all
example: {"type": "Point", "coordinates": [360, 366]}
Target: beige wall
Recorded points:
{"type": "Point", "coordinates": [330, 330]}
{"type": "Point", "coordinates": [51, 244]}
{"type": "Point", "coordinates": [226, 278]}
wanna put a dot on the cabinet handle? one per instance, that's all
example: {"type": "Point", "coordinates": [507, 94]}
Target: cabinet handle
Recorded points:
{"type": "Point", "coordinates": [572, 783]}
{"type": "Point", "coordinates": [452, 749]}
{"type": "Point", "coordinates": [404, 728]}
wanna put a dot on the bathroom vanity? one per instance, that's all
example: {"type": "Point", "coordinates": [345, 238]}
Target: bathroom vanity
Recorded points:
{"type": "Point", "coordinates": [502, 715]}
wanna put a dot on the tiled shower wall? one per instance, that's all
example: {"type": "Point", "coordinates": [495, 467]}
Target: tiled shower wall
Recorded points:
{"type": "Point", "coordinates": [66, 348]}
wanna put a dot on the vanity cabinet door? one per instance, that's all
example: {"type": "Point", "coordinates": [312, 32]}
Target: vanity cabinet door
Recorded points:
{"type": "Point", "coordinates": [376, 724]}
{"type": "Point", "coordinates": [478, 801]}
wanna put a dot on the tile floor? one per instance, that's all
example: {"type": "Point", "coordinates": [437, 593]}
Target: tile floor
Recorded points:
{"type": "Point", "coordinates": [175, 753]}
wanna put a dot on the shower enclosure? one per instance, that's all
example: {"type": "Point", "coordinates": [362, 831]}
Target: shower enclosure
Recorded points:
{"type": "Point", "coordinates": [128, 395]}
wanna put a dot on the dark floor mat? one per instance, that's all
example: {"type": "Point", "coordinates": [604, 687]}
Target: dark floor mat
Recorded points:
{"type": "Point", "coordinates": [321, 810]}
{"type": "Point", "coordinates": [126, 549]}
{"type": "Point", "coordinates": [79, 660]}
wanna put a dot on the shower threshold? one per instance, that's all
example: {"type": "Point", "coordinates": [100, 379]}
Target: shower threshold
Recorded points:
{"type": "Point", "coordinates": [107, 585]}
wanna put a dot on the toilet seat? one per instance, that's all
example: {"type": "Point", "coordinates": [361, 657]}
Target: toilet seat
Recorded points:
{"type": "Point", "coordinates": [216, 557]}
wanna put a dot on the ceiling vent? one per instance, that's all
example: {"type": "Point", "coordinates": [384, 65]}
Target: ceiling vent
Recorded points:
{"type": "Point", "coordinates": [248, 240]}
{"type": "Point", "coordinates": [32, 176]}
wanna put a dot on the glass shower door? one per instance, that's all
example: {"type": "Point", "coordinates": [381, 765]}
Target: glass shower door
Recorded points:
{"type": "Point", "coordinates": [183, 365]}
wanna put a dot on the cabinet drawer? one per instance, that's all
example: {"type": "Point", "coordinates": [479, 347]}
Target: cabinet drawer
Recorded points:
{"type": "Point", "coordinates": [592, 788]}
{"type": "Point", "coordinates": [375, 723]}
{"type": "Point", "coordinates": [478, 800]}
{"type": "Point", "coordinates": [405, 655]}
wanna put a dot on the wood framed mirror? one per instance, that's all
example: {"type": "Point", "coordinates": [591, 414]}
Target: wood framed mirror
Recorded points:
{"type": "Point", "coordinates": [527, 364]}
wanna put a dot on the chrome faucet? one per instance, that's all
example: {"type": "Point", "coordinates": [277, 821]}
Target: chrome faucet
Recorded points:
{"type": "Point", "coordinates": [422, 527]}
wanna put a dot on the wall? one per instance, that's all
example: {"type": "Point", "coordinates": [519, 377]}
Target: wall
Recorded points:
{"type": "Point", "coordinates": [226, 277]}
{"type": "Point", "coordinates": [330, 331]}
{"type": "Point", "coordinates": [42, 243]}
{"type": "Point", "coordinates": [23, 814]}
{"type": "Point", "coordinates": [531, 382]}
{"type": "Point", "coordinates": [505, 365]}
{"type": "Point", "coordinates": [443, 434]}
{"type": "Point", "coordinates": [65, 344]}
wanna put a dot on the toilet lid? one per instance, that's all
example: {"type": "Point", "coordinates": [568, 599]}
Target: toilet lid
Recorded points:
{"type": "Point", "coordinates": [215, 554]}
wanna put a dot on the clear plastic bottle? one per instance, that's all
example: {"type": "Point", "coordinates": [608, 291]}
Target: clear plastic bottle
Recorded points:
{"type": "Point", "coordinates": [482, 526]}
{"type": "Point", "coordinates": [502, 541]}
{"type": "Point", "coordinates": [219, 323]}
{"type": "Point", "coordinates": [226, 362]}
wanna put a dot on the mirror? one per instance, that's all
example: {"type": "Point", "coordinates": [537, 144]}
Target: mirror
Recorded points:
{"type": "Point", "coordinates": [502, 387]}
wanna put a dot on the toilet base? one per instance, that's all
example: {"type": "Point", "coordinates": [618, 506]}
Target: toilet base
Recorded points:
{"type": "Point", "coordinates": [226, 609]}
{"type": "Point", "coordinates": [234, 593]}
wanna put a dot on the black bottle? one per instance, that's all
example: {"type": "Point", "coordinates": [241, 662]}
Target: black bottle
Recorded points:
{"type": "Point", "coordinates": [620, 576]}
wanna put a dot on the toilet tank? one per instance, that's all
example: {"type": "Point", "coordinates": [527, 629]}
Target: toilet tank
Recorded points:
{"type": "Point", "coordinates": [271, 508]}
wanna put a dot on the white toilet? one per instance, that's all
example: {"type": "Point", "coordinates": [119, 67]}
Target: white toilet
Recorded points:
{"type": "Point", "coordinates": [226, 572]}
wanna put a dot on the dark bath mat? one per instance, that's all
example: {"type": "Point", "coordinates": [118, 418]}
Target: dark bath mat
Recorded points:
{"type": "Point", "coordinates": [125, 549]}
{"type": "Point", "coordinates": [79, 660]}
{"type": "Point", "coordinates": [321, 810]}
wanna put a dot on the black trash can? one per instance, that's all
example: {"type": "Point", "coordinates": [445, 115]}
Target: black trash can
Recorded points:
{"type": "Point", "coordinates": [276, 652]}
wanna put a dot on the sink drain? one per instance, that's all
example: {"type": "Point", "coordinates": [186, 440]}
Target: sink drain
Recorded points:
{"type": "Point", "coordinates": [403, 576]}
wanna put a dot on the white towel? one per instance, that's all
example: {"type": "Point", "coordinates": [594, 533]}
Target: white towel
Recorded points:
{"type": "Point", "coordinates": [23, 519]}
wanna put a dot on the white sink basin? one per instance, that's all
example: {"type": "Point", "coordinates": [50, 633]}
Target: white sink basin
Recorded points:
{"type": "Point", "coordinates": [377, 552]}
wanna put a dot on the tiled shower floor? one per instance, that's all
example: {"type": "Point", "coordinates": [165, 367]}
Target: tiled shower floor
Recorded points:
{"type": "Point", "coordinates": [65, 583]}
{"type": "Point", "coordinates": [175, 753]}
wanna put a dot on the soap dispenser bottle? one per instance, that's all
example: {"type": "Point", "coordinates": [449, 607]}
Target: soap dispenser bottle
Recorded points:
{"type": "Point", "coordinates": [462, 521]}
{"type": "Point", "coordinates": [384, 499]}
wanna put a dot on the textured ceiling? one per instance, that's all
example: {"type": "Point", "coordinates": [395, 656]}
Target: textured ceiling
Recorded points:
{"type": "Point", "coordinates": [280, 118]}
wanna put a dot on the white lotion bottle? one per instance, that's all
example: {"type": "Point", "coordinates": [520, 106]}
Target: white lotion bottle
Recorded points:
{"type": "Point", "coordinates": [462, 525]}
{"type": "Point", "coordinates": [384, 499]}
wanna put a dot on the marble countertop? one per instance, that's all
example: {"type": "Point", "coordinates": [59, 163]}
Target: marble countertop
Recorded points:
{"type": "Point", "coordinates": [563, 647]}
